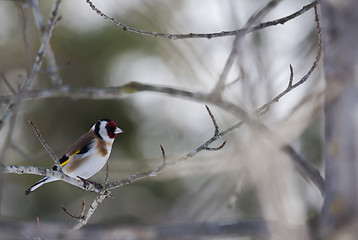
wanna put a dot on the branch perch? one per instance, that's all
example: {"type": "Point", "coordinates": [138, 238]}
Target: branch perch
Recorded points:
{"type": "Point", "coordinates": [47, 172]}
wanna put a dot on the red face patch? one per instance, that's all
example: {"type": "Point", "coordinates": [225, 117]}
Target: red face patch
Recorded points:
{"type": "Point", "coordinates": [111, 127]}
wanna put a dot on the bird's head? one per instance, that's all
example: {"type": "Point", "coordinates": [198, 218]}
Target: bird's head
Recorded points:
{"type": "Point", "coordinates": [106, 129]}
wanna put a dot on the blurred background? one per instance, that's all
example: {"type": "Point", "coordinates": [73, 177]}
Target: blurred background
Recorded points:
{"type": "Point", "coordinates": [248, 179]}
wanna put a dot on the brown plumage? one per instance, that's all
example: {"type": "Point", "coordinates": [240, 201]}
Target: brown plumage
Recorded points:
{"type": "Point", "coordinates": [74, 153]}
{"type": "Point", "coordinates": [81, 142]}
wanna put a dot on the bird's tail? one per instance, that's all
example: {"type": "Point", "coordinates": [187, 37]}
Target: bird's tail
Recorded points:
{"type": "Point", "coordinates": [39, 184]}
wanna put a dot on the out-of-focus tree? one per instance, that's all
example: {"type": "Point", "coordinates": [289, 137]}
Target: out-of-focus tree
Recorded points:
{"type": "Point", "coordinates": [340, 209]}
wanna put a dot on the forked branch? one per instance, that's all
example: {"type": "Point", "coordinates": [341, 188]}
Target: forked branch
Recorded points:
{"type": "Point", "coordinates": [82, 214]}
{"type": "Point", "coordinates": [167, 164]}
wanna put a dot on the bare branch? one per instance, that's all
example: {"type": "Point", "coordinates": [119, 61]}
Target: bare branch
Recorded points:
{"type": "Point", "coordinates": [291, 77]}
{"type": "Point", "coordinates": [50, 56]}
{"type": "Point", "coordinates": [113, 92]}
{"type": "Point", "coordinates": [305, 168]}
{"type": "Point", "coordinates": [130, 88]}
{"type": "Point", "coordinates": [43, 48]}
{"type": "Point", "coordinates": [319, 48]}
{"type": "Point", "coordinates": [57, 68]}
{"type": "Point", "coordinates": [213, 119]}
{"type": "Point", "coordinates": [7, 83]}
{"type": "Point", "coordinates": [93, 207]}
{"type": "Point", "coordinates": [164, 159]}
{"type": "Point", "coordinates": [198, 230]}
{"type": "Point", "coordinates": [71, 215]}
{"type": "Point", "coordinates": [216, 148]}
{"type": "Point", "coordinates": [291, 86]}
{"type": "Point", "coordinates": [166, 165]}
{"type": "Point", "coordinates": [7, 139]}
{"type": "Point", "coordinates": [239, 78]}
{"type": "Point", "coordinates": [231, 59]}
{"type": "Point", "coordinates": [241, 31]}
{"type": "Point", "coordinates": [163, 154]}
{"type": "Point", "coordinates": [11, 109]}
{"type": "Point", "coordinates": [93, 187]}
{"type": "Point", "coordinates": [81, 216]}
{"type": "Point", "coordinates": [46, 146]}
{"type": "Point", "coordinates": [36, 66]}
{"type": "Point", "coordinates": [156, 171]}
{"type": "Point", "coordinates": [83, 208]}
{"type": "Point", "coordinates": [266, 107]}
{"type": "Point", "coordinates": [133, 87]}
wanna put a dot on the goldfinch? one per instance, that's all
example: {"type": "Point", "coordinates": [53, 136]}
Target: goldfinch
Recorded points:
{"type": "Point", "coordinates": [88, 154]}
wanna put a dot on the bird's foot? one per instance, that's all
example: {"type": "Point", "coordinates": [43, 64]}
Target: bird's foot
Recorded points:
{"type": "Point", "coordinates": [86, 182]}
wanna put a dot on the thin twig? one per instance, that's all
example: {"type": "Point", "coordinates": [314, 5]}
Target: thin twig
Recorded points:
{"type": "Point", "coordinates": [58, 68]}
{"type": "Point", "coordinates": [7, 139]}
{"type": "Point", "coordinates": [45, 145]}
{"type": "Point", "coordinates": [217, 91]}
{"type": "Point", "coordinates": [204, 35]}
{"type": "Point", "coordinates": [83, 208]}
{"type": "Point", "coordinates": [163, 155]}
{"type": "Point", "coordinates": [213, 119]}
{"type": "Point", "coordinates": [239, 78]}
{"type": "Point", "coordinates": [305, 168]}
{"type": "Point", "coordinates": [50, 56]}
{"type": "Point", "coordinates": [71, 215]}
{"type": "Point", "coordinates": [216, 132]}
{"type": "Point", "coordinates": [164, 162]}
{"type": "Point", "coordinates": [43, 48]}
{"type": "Point", "coordinates": [113, 92]}
{"type": "Point", "coordinates": [7, 83]}
{"type": "Point", "coordinates": [215, 148]}
{"type": "Point", "coordinates": [292, 86]}
{"type": "Point", "coordinates": [291, 76]}
{"type": "Point", "coordinates": [266, 107]}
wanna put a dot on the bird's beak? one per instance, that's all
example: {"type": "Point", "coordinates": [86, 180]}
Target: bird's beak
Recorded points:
{"type": "Point", "coordinates": [118, 130]}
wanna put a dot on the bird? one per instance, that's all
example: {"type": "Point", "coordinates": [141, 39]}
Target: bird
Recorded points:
{"type": "Point", "coordinates": [87, 155]}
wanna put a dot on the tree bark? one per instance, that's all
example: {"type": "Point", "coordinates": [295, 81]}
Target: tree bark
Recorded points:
{"type": "Point", "coordinates": [340, 44]}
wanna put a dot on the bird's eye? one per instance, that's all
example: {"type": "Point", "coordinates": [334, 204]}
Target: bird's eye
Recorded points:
{"type": "Point", "coordinates": [111, 126]}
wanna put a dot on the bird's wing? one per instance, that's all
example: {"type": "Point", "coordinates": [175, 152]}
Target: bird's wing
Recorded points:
{"type": "Point", "coordinates": [80, 147]}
